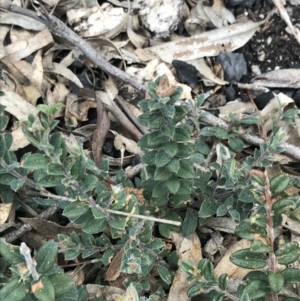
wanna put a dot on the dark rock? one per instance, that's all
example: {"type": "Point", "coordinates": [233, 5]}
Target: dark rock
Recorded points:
{"type": "Point", "coordinates": [186, 73]}
{"type": "Point", "coordinates": [296, 98]}
{"type": "Point", "coordinates": [230, 93]}
{"type": "Point", "coordinates": [263, 99]}
{"type": "Point", "coordinates": [234, 65]}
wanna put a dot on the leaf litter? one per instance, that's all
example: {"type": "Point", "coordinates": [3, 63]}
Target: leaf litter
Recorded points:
{"type": "Point", "coordinates": [144, 38]}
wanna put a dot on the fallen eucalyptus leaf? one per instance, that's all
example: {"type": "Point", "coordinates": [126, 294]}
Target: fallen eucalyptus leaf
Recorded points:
{"type": "Point", "coordinates": [209, 43]}
{"type": "Point", "coordinates": [283, 78]}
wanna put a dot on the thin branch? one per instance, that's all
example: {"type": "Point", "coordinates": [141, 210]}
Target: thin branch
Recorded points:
{"type": "Point", "coordinates": [12, 236]}
{"type": "Point", "coordinates": [58, 28]}
{"type": "Point", "coordinates": [210, 119]}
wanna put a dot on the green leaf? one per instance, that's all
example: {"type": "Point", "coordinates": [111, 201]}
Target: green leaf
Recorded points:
{"type": "Point", "coordinates": [46, 292]}
{"type": "Point", "coordinates": [168, 130]}
{"type": "Point", "coordinates": [94, 226]}
{"type": "Point", "coordinates": [50, 181]}
{"type": "Point", "coordinates": [171, 148]}
{"type": "Point", "coordinates": [165, 229]}
{"type": "Point", "coordinates": [174, 165]}
{"type": "Point", "coordinates": [35, 161]}
{"type": "Point", "coordinates": [236, 144]}
{"type": "Point", "coordinates": [246, 196]}
{"type": "Point", "coordinates": [159, 190]}
{"type": "Point", "coordinates": [276, 281]}
{"type": "Point", "coordinates": [279, 183]}
{"type": "Point", "coordinates": [187, 267]}
{"type": "Point", "coordinates": [200, 100]}
{"type": "Point", "coordinates": [288, 253]}
{"type": "Point", "coordinates": [223, 281]}
{"type": "Point", "coordinates": [14, 290]}
{"type": "Point", "coordinates": [197, 158]}
{"type": "Point", "coordinates": [46, 257]}
{"type": "Point", "coordinates": [6, 141]}
{"type": "Point", "coordinates": [155, 138]}
{"type": "Point", "coordinates": [258, 246]}
{"type": "Point", "coordinates": [6, 178]}
{"type": "Point", "coordinates": [61, 282]}
{"type": "Point", "coordinates": [98, 214]}
{"type": "Point", "coordinates": [190, 222]}
{"type": "Point", "coordinates": [249, 260]}
{"type": "Point", "coordinates": [195, 290]}
{"type": "Point", "coordinates": [234, 214]}
{"type": "Point", "coordinates": [164, 274]}
{"type": "Point", "coordinates": [168, 111]}
{"type": "Point", "coordinates": [185, 150]}
{"type": "Point", "coordinates": [282, 205]}
{"type": "Point", "coordinates": [176, 95]}
{"type": "Point", "coordinates": [186, 170]}
{"type": "Point", "coordinates": [221, 133]}
{"type": "Point", "coordinates": [154, 104]}
{"type": "Point", "coordinates": [75, 209]}
{"type": "Point", "coordinates": [208, 208]}
{"type": "Point", "coordinates": [249, 120]}
{"type": "Point", "coordinates": [180, 113]}
{"type": "Point", "coordinates": [17, 184]}
{"type": "Point", "coordinates": [173, 184]}
{"type": "Point", "coordinates": [161, 158]}
{"type": "Point", "coordinates": [291, 275]}
{"type": "Point", "coordinates": [10, 253]}
{"type": "Point", "coordinates": [182, 132]}
{"type": "Point", "coordinates": [290, 299]}
{"type": "Point", "coordinates": [155, 120]}
{"type": "Point", "coordinates": [3, 122]}
{"type": "Point", "coordinates": [162, 174]}
{"type": "Point", "coordinates": [202, 147]}
{"type": "Point", "coordinates": [257, 289]}
{"type": "Point", "coordinates": [118, 223]}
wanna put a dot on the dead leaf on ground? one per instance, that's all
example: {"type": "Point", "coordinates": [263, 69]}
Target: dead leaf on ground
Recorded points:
{"type": "Point", "coordinates": [4, 212]}
{"type": "Point", "coordinates": [209, 43]}
{"type": "Point", "coordinates": [189, 249]}
{"type": "Point", "coordinates": [49, 229]}
{"type": "Point", "coordinates": [283, 78]}
{"type": "Point", "coordinates": [114, 270]}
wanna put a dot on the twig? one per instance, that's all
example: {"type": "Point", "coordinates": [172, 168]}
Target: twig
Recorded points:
{"type": "Point", "coordinates": [12, 236]}
{"type": "Point", "coordinates": [210, 119]}
{"type": "Point", "coordinates": [91, 202]}
{"type": "Point", "coordinates": [60, 29]}
{"type": "Point", "coordinates": [131, 116]}
{"type": "Point", "coordinates": [99, 136]}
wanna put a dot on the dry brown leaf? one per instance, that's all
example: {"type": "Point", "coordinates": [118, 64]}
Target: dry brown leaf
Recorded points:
{"type": "Point", "coordinates": [114, 270]}
{"type": "Point", "coordinates": [130, 145]}
{"type": "Point", "coordinates": [48, 229]}
{"type": "Point", "coordinates": [22, 49]}
{"type": "Point", "coordinates": [103, 291]}
{"type": "Point", "coordinates": [205, 71]}
{"type": "Point", "coordinates": [4, 212]}
{"type": "Point", "coordinates": [189, 249]}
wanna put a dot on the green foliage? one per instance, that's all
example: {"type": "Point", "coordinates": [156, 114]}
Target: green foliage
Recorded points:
{"type": "Point", "coordinates": [180, 172]}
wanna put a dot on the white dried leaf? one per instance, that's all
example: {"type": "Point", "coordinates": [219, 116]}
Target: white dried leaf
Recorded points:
{"type": "Point", "coordinates": [205, 71]}
{"type": "Point", "coordinates": [209, 43]}
{"type": "Point", "coordinates": [283, 78]}
{"type": "Point", "coordinates": [22, 49]}
{"type": "Point", "coordinates": [65, 72]}
{"type": "Point", "coordinates": [22, 21]}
